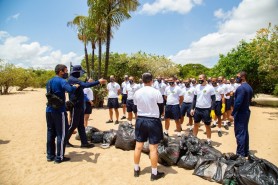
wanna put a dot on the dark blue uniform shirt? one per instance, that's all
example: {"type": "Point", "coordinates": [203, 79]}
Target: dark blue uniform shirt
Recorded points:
{"type": "Point", "coordinates": [59, 86]}
{"type": "Point", "coordinates": [79, 92]}
{"type": "Point", "coordinates": [243, 96]}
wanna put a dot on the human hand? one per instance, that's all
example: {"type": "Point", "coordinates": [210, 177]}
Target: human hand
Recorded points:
{"type": "Point", "coordinates": [102, 81]}
{"type": "Point", "coordinates": [192, 112]}
{"type": "Point", "coordinates": [76, 85]}
{"type": "Point", "coordinates": [90, 80]}
{"type": "Point", "coordinates": [92, 103]}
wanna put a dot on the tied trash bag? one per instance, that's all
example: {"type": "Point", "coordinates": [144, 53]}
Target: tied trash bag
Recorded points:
{"type": "Point", "coordinates": [188, 161]}
{"type": "Point", "coordinates": [193, 144]}
{"type": "Point", "coordinates": [169, 153]}
{"type": "Point", "coordinates": [233, 162]}
{"type": "Point", "coordinates": [210, 169]}
{"type": "Point", "coordinates": [109, 137]}
{"type": "Point", "coordinates": [97, 137]}
{"type": "Point", "coordinates": [125, 137]}
{"type": "Point", "coordinates": [257, 172]}
{"type": "Point", "coordinates": [146, 148]}
{"type": "Point", "coordinates": [209, 152]}
{"type": "Point", "coordinates": [89, 130]}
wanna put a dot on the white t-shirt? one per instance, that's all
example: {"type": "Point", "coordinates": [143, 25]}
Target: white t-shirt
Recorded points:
{"type": "Point", "coordinates": [89, 93]}
{"type": "Point", "coordinates": [204, 94]}
{"type": "Point", "coordinates": [140, 85]}
{"type": "Point", "coordinates": [188, 94]}
{"type": "Point", "coordinates": [146, 100]}
{"type": "Point", "coordinates": [124, 85]}
{"type": "Point", "coordinates": [113, 88]}
{"type": "Point", "coordinates": [218, 92]}
{"type": "Point", "coordinates": [131, 89]}
{"type": "Point", "coordinates": [181, 85]}
{"type": "Point", "coordinates": [160, 86]}
{"type": "Point", "coordinates": [173, 95]}
{"type": "Point", "coordinates": [229, 90]}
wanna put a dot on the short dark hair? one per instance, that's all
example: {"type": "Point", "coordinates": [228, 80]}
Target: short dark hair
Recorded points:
{"type": "Point", "coordinates": [147, 77]}
{"type": "Point", "coordinates": [243, 73]}
{"type": "Point", "coordinates": [60, 67]}
{"type": "Point", "coordinates": [204, 76]}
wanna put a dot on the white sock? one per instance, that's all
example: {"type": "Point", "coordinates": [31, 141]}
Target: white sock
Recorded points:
{"type": "Point", "coordinates": [219, 129]}
{"type": "Point", "coordinates": [179, 133]}
{"type": "Point", "coordinates": [190, 127]}
{"type": "Point", "coordinates": [166, 131]}
{"type": "Point", "coordinates": [130, 122]}
{"type": "Point", "coordinates": [136, 167]}
{"type": "Point", "coordinates": [214, 123]}
{"type": "Point", "coordinates": [154, 171]}
{"type": "Point", "coordinates": [208, 140]}
{"type": "Point", "coordinates": [225, 123]}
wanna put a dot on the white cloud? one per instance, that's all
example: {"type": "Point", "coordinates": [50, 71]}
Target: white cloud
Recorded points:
{"type": "Point", "coordinates": [19, 51]}
{"type": "Point", "coordinates": [15, 17]}
{"type": "Point", "coordinates": [241, 22]}
{"type": "Point", "coordinates": [180, 6]}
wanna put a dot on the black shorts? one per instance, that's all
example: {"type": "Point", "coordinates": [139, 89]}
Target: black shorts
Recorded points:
{"type": "Point", "coordinates": [148, 128]}
{"type": "Point", "coordinates": [227, 104]}
{"type": "Point", "coordinates": [130, 107]}
{"type": "Point", "coordinates": [218, 107]}
{"type": "Point", "coordinates": [172, 112]}
{"type": "Point", "coordinates": [186, 108]}
{"type": "Point", "coordinates": [124, 98]}
{"type": "Point", "coordinates": [164, 100]}
{"type": "Point", "coordinates": [88, 108]}
{"type": "Point", "coordinates": [232, 101]}
{"type": "Point", "coordinates": [202, 115]}
{"type": "Point", "coordinates": [113, 103]}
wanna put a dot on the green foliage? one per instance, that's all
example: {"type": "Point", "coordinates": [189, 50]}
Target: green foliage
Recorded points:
{"type": "Point", "coordinates": [275, 92]}
{"type": "Point", "coordinates": [7, 77]}
{"type": "Point", "coordinates": [193, 70]}
{"type": "Point", "coordinates": [100, 92]}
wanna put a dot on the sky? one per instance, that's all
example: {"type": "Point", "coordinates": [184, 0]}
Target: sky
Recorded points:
{"type": "Point", "coordinates": [34, 33]}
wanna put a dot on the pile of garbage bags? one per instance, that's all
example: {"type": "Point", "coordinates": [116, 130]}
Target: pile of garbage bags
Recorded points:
{"type": "Point", "coordinates": [191, 153]}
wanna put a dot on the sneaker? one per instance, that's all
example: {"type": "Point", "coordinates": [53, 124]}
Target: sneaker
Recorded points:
{"type": "Point", "coordinates": [116, 122]}
{"type": "Point", "coordinates": [166, 134]}
{"type": "Point", "coordinates": [87, 145]}
{"type": "Point", "coordinates": [213, 126]}
{"type": "Point", "coordinates": [50, 159]}
{"type": "Point", "coordinates": [219, 133]}
{"type": "Point", "coordinates": [157, 176]}
{"type": "Point", "coordinates": [226, 127]}
{"type": "Point", "coordinates": [65, 159]}
{"type": "Point", "coordinates": [208, 143]}
{"type": "Point", "coordinates": [69, 145]}
{"type": "Point", "coordinates": [137, 173]}
{"type": "Point", "coordinates": [123, 117]}
{"type": "Point", "coordinates": [109, 121]}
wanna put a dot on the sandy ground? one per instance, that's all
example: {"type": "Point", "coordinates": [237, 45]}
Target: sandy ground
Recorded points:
{"type": "Point", "coordinates": [23, 148]}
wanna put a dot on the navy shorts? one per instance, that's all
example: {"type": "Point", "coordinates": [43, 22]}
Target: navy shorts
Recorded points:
{"type": "Point", "coordinates": [186, 108]}
{"type": "Point", "coordinates": [227, 104]}
{"type": "Point", "coordinates": [173, 112]}
{"type": "Point", "coordinates": [164, 100]}
{"type": "Point", "coordinates": [130, 107]}
{"type": "Point", "coordinates": [218, 107]}
{"type": "Point", "coordinates": [202, 115]}
{"type": "Point", "coordinates": [88, 108]}
{"type": "Point", "coordinates": [232, 101]}
{"type": "Point", "coordinates": [148, 128]}
{"type": "Point", "coordinates": [113, 103]}
{"type": "Point", "coordinates": [124, 98]}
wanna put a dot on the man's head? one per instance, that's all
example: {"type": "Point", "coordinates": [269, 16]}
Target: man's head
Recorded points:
{"type": "Point", "coordinates": [220, 79]}
{"type": "Point", "coordinates": [112, 78]}
{"type": "Point", "coordinates": [159, 79]}
{"type": "Point", "coordinates": [178, 82]}
{"type": "Point", "coordinates": [126, 77]}
{"type": "Point", "coordinates": [193, 81]}
{"type": "Point", "coordinates": [227, 81]}
{"type": "Point", "coordinates": [77, 71]}
{"type": "Point", "coordinates": [147, 78]}
{"type": "Point", "coordinates": [209, 80]}
{"type": "Point", "coordinates": [131, 79]}
{"type": "Point", "coordinates": [140, 81]}
{"type": "Point", "coordinates": [171, 81]}
{"type": "Point", "coordinates": [241, 77]}
{"type": "Point", "coordinates": [187, 82]}
{"type": "Point", "coordinates": [232, 80]}
{"type": "Point", "coordinates": [202, 79]}
{"type": "Point", "coordinates": [214, 82]}
{"type": "Point", "coordinates": [62, 71]}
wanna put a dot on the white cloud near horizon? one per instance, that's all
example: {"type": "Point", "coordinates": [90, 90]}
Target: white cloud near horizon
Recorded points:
{"type": "Point", "coordinates": [19, 51]}
{"type": "Point", "coordinates": [240, 23]}
{"type": "Point", "coordinates": [179, 6]}
{"type": "Point", "coordinates": [13, 17]}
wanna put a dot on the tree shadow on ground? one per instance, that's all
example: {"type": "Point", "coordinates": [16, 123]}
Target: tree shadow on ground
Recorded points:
{"type": "Point", "coordinates": [81, 156]}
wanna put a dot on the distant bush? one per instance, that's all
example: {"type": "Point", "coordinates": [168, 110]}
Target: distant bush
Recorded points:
{"type": "Point", "coordinates": [275, 92]}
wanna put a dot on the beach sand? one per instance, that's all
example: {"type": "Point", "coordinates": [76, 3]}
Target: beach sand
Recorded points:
{"type": "Point", "coordinates": [23, 148]}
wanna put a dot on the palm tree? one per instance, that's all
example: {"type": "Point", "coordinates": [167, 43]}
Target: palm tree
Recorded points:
{"type": "Point", "coordinates": [81, 22]}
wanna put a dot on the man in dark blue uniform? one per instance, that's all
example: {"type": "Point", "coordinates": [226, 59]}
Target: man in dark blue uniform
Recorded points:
{"type": "Point", "coordinates": [77, 114]}
{"type": "Point", "coordinates": [241, 114]}
{"type": "Point", "coordinates": [56, 118]}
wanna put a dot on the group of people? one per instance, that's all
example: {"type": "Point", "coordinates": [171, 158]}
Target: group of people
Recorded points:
{"type": "Point", "coordinates": [216, 100]}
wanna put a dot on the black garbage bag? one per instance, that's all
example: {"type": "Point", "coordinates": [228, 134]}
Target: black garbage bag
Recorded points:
{"type": "Point", "coordinates": [89, 131]}
{"type": "Point", "coordinates": [183, 146]}
{"type": "Point", "coordinates": [146, 148]}
{"type": "Point", "coordinates": [209, 152]}
{"type": "Point", "coordinates": [97, 137]}
{"type": "Point", "coordinates": [169, 152]}
{"type": "Point", "coordinates": [110, 137]}
{"type": "Point", "coordinates": [257, 172]}
{"type": "Point", "coordinates": [193, 144]}
{"type": "Point", "coordinates": [188, 161]}
{"type": "Point", "coordinates": [233, 162]}
{"type": "Point", "coordinates": [211, 169]}
{"type": "Point", "coordinates": [125, 137]}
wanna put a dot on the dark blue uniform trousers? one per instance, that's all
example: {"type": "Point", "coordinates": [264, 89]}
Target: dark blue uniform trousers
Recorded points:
{"type": "Point", "coordinates": [241, 120]}
{"type": "Point", "coordinates": [57, 127]}
{"type": "Point", "coordinates": [77, 121]}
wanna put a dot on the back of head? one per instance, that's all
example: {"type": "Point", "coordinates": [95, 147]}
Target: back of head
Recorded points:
{"type": "Point", "coordinates": [60, 67]}
{"type": "Point", "coordinates": [147, 77]}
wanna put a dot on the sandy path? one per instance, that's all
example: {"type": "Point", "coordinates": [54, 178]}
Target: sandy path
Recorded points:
{"type": "Point", "coordinates": [23, 140]}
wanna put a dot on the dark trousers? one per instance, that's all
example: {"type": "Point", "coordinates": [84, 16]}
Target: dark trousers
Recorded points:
{"type": "Point", "coordinates": [77, 121]}
{"type": "Point", "coordinates": [241, 120]}
{"type": "Point", "coordinates": [57, 126]}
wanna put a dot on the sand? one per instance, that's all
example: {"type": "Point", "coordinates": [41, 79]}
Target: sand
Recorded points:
{"type": "Point", "coordinates": [23, 148]}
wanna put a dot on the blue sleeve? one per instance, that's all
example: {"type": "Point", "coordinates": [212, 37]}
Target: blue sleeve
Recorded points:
{"type": "Point", "coordinates": [238, 100]}
{"type": "Point", "coordinates": [88, 84]}
{"type": "Point", "coordinates": [68, 87]}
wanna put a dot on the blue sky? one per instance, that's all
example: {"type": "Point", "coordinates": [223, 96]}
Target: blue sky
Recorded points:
{"type": "Point", "coordinates": [33, 33]}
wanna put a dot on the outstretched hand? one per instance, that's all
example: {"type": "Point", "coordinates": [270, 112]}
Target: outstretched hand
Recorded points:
{"type": "Point", "coordinates": [102, 81]}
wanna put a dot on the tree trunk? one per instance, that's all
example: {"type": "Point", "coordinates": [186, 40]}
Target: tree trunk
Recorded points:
{"type": "Point", "coordinates": [93, 57]}
{"type": "Point", "coordinates": [87, 60]}
{"type": "Point", "coordinates": [108, 34]}
{"type": "Point", "coordinates": [99, 58]}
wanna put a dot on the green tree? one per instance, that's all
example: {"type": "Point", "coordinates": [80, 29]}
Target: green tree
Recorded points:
{"type": "Point", "coordinates": [7, 77]}
{"type": "Point", "coordinates": [193, 70]}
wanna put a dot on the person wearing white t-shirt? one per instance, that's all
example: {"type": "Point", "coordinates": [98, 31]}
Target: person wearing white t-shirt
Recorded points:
{"type": "Point", "coordinates": [193, 82]}
{"type": "Point", "coordinates": [89, 97]}
{"type": "Point", "coordinates": [203, 103]}
{"type": "Point", "coordinates": [174, 99]}
{"type": "Point", "coordinates": [227, 101]}
{"type": "Point", "coordinates": [219, 101]}
{"type": "Point", "coordinates": [188, 95]}
{"type": "Point", "coordinates": [131, 89]}
{"type": "Point", "coordinates": [161, 86]}
{"type": "Point", "coordinates": [148, 125]}
{"type": "Point", "coordinates": [113, 102]}
{"type": "Point", "coordinates": [124, 95]}
{"type": "Point", "coordinates": [234, 86]}
{"type": "Point", "coordinates": [140, 84]}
